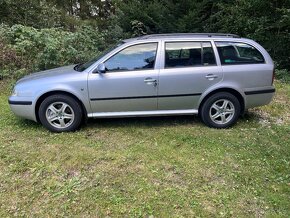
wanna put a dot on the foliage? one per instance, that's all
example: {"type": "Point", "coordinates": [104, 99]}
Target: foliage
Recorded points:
{"type": "Point", "coordinates": [10, 61]}
{"type": "Point", "coordinates": [55, 13]}
{"type": "Point", "coordinates": [283, 75]}
{"type": "Point", "coordinates": [40, 14]}
{"type": "Point", "coordinates": [38, 49]}
{"type": "Point", "coordinates": [67, 31]}
{"type": "Point", "coordinates": [141, 167]}
{"type": "Point", "coordinates": [267, 22]}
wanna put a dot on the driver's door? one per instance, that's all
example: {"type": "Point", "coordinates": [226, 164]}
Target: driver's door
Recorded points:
{"type": "Point", "coordinates": [129, 83]}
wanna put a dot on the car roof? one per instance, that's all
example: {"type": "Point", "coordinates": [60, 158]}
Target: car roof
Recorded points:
{"type": "Point", "coordinates": [184, 36]}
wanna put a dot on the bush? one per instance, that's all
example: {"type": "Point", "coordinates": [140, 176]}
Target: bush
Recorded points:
{"type": "Point", "coordinates": [33, 49]}
{"type": "Point", "coordinates": [283, 75]}
{"type": "Point", "coordinates": [10, 61]}
{"type": "Point", "coordinates": [27, 49]}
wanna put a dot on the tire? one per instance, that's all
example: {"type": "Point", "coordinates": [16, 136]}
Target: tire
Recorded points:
{"type": "Point", "coordinates": [60, 113]}
{"type": "Point", "coordinates": [221, 110]}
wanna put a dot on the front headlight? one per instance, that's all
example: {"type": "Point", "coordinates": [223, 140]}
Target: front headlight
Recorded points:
{"type": "Point", "coordinates": [14, 92]}
{"type": "Point", "coordinates": [21, 92]}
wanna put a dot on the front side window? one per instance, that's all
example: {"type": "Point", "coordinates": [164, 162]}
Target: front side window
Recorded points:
{"type": "Point", "coordinates": [232, 53]}
{"type": "Point", "coordinates": [189, 54]}
{"type": "Point", "coordinates": [84, 66]}
{"type": "Point", "coordinates": [136, 57]}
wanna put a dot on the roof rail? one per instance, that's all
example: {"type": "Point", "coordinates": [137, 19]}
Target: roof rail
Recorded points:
{"type": "Point", "coordinates": [189, 34]}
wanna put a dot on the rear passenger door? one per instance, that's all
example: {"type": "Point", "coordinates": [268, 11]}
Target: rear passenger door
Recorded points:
{"type": "Point", "coordinates": [189, 69]}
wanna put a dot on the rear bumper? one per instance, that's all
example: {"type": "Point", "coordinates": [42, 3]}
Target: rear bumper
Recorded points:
{"type": "Point", "coordinates": [263, 91]}
{"type": "Point", "coordinates": [255, 98]}
{"type": "Point", "coordinates": [22, 107]}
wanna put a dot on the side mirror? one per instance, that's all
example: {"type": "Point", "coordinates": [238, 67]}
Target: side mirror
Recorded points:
{"type": "Point", "coordinates": [101, 68]}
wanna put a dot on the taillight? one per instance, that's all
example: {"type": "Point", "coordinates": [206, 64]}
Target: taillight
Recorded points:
{"type": "Point", "coordinates": [273, 76]}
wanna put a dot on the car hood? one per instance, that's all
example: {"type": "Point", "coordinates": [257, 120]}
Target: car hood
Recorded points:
{"type": "Point", "coordinates": [61, 71]}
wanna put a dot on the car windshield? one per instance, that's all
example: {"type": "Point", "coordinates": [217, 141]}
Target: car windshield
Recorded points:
{"type": "Point", "coordinates": [82, 67]}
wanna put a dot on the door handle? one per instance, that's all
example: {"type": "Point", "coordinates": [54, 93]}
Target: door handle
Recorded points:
{"type": "Point", "coordinates": [150, 81]}
{"type": "Point", "coordinates": [211, 76]}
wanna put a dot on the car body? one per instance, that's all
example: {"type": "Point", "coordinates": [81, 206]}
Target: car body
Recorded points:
{"type": "Point", "coordinates": [161, 74]}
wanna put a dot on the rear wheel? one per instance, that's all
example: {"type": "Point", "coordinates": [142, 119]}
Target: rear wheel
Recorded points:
{"type": "Point", "coordinates": [60, 113]}
{"type": "Point", "coordinates": [220, 110]}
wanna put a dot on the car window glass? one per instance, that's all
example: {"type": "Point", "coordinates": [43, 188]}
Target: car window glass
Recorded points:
{"type": "Point", "coordinates": [136, 57]}
{"type": "Point", "coordinates": [208, 54]}
{"type": "Point", "coordinates": [238, 53]}
{"type": "Point", "coordinates": [82, 67]}
{"type": "Point", "coordinates": [189, 54]}
{"type": "Point", "coordinates": [182, 54]}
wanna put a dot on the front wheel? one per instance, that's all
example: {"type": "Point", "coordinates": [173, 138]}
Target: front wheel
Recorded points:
{"type": "Point", "coordinates": [220, 110]}
{"type": "Point", "coordinates": [60, 113]}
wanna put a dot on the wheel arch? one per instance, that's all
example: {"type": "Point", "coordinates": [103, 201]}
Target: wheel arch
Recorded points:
{"type": "Point", "coordinates": [55, 92]}
{"type": "Point", "coordinates": [234, 92]}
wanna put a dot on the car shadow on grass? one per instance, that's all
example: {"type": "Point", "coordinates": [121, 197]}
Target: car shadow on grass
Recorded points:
{"type": "Point", "coordinates": [163, 121]}
{"type": "Point", "coordinates": [23, 123]}
{"type": "Point", "coordinates": [158, 121]}
{"type": "Point", "coordinates": [131, 122]}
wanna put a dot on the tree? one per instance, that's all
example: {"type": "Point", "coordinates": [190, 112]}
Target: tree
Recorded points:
{"type": "Point", "coordinates": [266, 21]}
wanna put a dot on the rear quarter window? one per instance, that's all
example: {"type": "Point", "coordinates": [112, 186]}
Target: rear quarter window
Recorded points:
{"type": "Point", "coordinates": [234, 53]}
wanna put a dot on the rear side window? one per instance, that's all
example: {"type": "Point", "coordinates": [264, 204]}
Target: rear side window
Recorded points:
{"type": "Point", "coordinates": [189, 54]}
{"type": "Point", "coordinates": [232, 53]}
{"type": "Point", "coordinates": [208, 54]}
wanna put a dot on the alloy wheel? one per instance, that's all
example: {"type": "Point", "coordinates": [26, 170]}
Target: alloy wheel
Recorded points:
{"type": "Point", "coordinates": [60, 115]}
{"type": "Point", "coordinates": [222, 111]}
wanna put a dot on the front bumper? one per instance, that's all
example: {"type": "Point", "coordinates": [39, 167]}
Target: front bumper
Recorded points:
{"type": "Point", "coordinates": [22, 107]}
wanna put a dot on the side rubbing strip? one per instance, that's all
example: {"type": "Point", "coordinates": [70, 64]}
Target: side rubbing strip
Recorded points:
{"type": "Point", "coordinates": [20, 102]}
{"type": "Point", "coordinates": [139, 97]}
{"type": "Point", "coordinates": [260, 92]}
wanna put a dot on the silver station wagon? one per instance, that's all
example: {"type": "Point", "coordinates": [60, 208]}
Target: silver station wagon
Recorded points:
{"type": "Point", "coordinates": [217, 76]}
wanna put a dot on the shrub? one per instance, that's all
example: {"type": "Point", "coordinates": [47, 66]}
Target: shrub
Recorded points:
{"type": "Point", "coordinates": [10, 62]}
{"type": "Point", "coordinates": [283, 75]}
{"type": "Point", "coordinates": [38, 49]}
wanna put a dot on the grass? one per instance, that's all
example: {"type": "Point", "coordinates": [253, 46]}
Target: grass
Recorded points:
{"type": "Point", "coordinates": [138, 167]}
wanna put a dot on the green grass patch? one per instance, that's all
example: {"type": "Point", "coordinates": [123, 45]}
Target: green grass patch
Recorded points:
{"type": "Point", "coordinates": [137, 167]}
